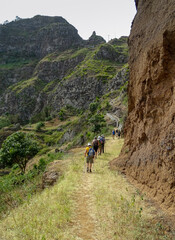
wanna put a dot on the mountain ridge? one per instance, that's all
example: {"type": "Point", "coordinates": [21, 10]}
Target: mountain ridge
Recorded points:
{"type": "Point", "coordinates": [57, 76]}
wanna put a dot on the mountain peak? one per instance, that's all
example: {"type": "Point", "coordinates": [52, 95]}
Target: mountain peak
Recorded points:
{"type": "Point", "coordinates": [95, 39]}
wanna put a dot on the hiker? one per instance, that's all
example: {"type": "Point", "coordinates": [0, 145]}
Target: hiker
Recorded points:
{"type": "Point", "coordinates": [113, 133]}
{"type": "Point", "coordinates": [119, 133]}
{"type": "Point", "coordinates": [99, 145]}
{"type": "Point", "coordinates": [102, 139]}
{"type": "Point", "coordinates": [89, 154]}
{"type": "Point", "coordinates": [95, 145]}
{"type": "Point", "coordinates": [116, 131]}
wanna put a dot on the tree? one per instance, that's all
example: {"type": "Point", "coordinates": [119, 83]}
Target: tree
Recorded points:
{"type": "Point", "coordinates": [98, 122]}
{"type": "Point", "coordinates": [18, 148]}
{"type": "Point", "coordinates": [93, 106]}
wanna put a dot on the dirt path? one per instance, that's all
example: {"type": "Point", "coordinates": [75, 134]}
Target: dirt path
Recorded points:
{"type": "Point", "coordinates": [101, 205]}
{"type": "Point", "coordinates": [107, 207]}
{"type": "Point", "coordinates": [84, 220]}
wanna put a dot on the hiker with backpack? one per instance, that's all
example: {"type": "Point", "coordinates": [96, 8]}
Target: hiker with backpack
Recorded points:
{"type": "Point", "coordinates": [119, 133]}
{"type": "Point", "coordinates": [99, 145]}
{"type": "Point", "coordinates": [102, 139]}
{"type": "Point", "coordinates": [116, 132]}
{"type": "Point", "coordinates": [113, 133]}
{"type": "Point", "coordinates": [95, 146]}
{"type": "Point", "coordinates": [89, 154]}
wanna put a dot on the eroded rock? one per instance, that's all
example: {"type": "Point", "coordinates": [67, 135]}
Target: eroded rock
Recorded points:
{"type": "Point", "coordinates": [52, 174]}
{"type": "Point", "coordinates": [148, 155]}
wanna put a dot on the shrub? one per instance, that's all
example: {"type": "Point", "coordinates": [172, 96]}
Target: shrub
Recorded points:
{"type": "Point", "coordinates": [18, 148]}
{"type": "Point", "coordinates": [98, 122]}
{"type": "Point", "coordinates": [42, 164]}
{"type": "Point", "coordinates": [39, 126]}
{"type": "Point", "coordinates": [38, 117]}
{"type": "Point", "coordinates": [62, 114]}
{"type": "Point", "coordinates": [4, 121]}
{"type": "Point", "coordinates": [93, 106]}
{"type": "Point", "coordinates": [48, 118]}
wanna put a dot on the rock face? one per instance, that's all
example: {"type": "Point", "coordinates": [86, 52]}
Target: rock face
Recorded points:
{"type": "Point", "coordinates": [52, 174]}
{"type": "Point", "coordinates": [95, 40]}
{"type": "Point", "coordinates": [148, 155]}
{"type": "Point", "coordinates": [37, 37]}
{"type": "Point", "coordinates": [45, 63]}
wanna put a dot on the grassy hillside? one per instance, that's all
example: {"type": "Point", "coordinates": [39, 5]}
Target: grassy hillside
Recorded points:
{"type": "Point", "coordinates": [63, 126]}
{"type": "Point", "coordinates": [101, 205]}
{"type": "Point", "coordinates": [70, 75]}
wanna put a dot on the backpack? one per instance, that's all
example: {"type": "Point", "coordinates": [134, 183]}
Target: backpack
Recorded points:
{"type": "Point", "coordinates": [95, 143]}
{"type": "Point", "coordinates": [91, 152]}
{"type": "Point", "coordinates": [102, 140]}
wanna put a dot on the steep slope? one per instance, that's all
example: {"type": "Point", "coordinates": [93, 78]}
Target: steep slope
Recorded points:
{"type": "Point", "coordinates": [148, 155]}
{"type": "Point", "coordinates": [74, 72]}
{"type": "Point", "coordinates": [36, 37]}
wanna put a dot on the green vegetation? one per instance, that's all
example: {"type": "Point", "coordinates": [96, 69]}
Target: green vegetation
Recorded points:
{"type": "Point", "coordinates": [4, 121]}
{"type": "Point", "coordinates": [66, 55]}
{"type": "Point", "coordinates": [8, 119]}
{"type": "Point", "coordinates": [98, 122]}
{"type": "Point", "coordinates": [53, 139]}
{"type": "Point", "coordinates": [14, 60]}
{"type": "Point", "coordinates": [53, 128]}
{"type": "Point", "coordinates": [54, 212]}
{"type": "Point", "coordinates": [34, 82]}
{"type": "Point", "coordinates": [93, 106]}
{"type": "Point", "coordinates": [62, 114]}
{"type": "Point", "coordinates": [39, 126]}
{"type": "Point", "coordinates": [119, 210]}
{"type": "Point", "coordinates": [92, 63]}
{"type": "Point", "coordinates": [18, 148]}
{"type": "Point", "coordinates": [17, 188]}
{"type": "Point", "coordinates": [44, 115]}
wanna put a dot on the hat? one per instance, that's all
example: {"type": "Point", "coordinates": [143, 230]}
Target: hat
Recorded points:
{"type": "Point", "coordinates": [89, 144]}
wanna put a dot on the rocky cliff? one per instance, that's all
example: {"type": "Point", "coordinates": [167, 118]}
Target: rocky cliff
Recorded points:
{"type": "Point", "coordinates": [45, 63]}
{"type": "Point", "coordinates": [148, 155]}
{"type": "Point", "coordinates": [36, 37]}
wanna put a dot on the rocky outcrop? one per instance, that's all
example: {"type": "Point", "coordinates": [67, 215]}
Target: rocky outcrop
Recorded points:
{"type": "Point", "coordinates": [95, 40]}
{"type": "Point", "coordinates": [52, 174]}
{"type": "Point", "coordinates": [70, 72]}
{"type": "Point", "coordinates": [148, 155]}
{"type": "Point", "coordinates": [37, 37]}
{"type": "Point", "coordinates": [9, 77]}
{"type": "Point", "coordinates": [108, 52]}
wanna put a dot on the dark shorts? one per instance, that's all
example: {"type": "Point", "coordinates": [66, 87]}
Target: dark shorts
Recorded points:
{"type": "Point", "coordinates": [89, 159]}
{"type": "Point", "coordinates": [95, 148]}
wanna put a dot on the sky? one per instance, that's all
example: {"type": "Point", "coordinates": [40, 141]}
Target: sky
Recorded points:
{"type": "Point", "coordinates": [109, 18]}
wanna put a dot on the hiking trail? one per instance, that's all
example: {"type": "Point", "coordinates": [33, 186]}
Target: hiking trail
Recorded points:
{"type": "Point", "coordinates": [101, 205]}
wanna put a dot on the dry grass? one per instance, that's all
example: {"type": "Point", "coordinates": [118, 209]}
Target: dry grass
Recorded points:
{"type": "Point", "coordinates": [117, 210]}
{"type": "Point", "coordinates": [47, 214]}
{"type": "Point", "coordinates": [121, 212]}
